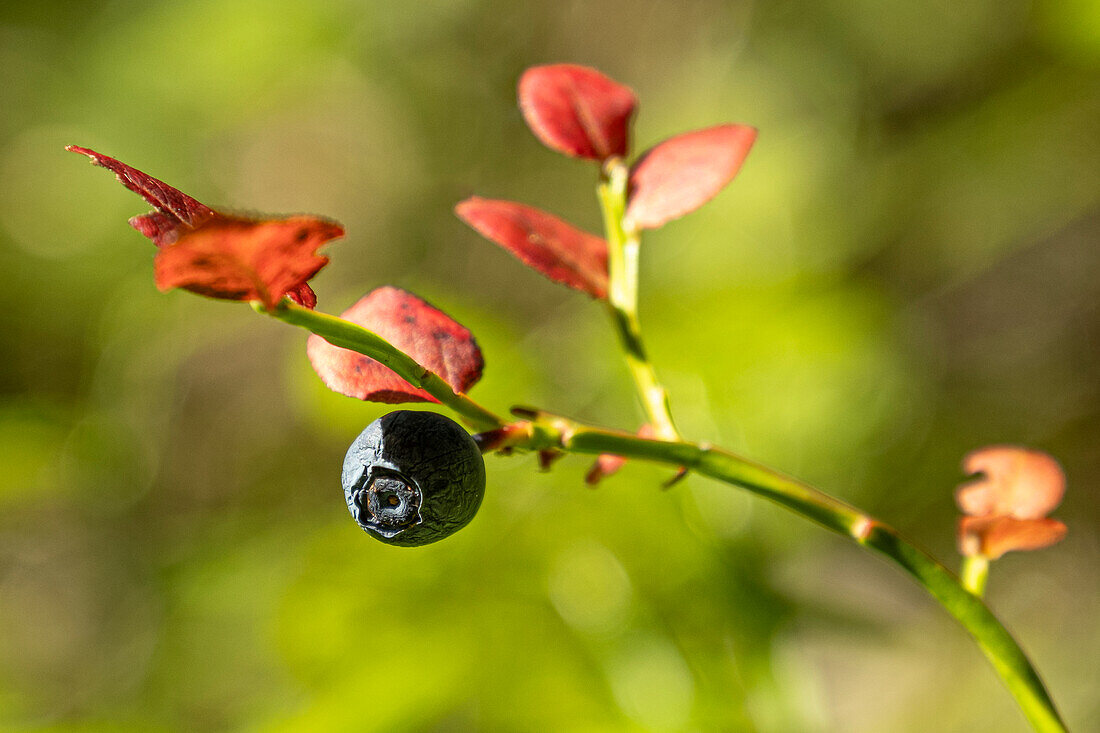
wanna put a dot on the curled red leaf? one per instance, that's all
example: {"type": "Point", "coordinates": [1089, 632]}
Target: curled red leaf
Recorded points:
{"type": "Point", "coordinates": [428, 335]}
{"type": "Point", "coordinates": [542, 241]}
{"type": "Point", "coordinates": [682, 173]}
{"type": "Point", "coordinates": [993, 536]}
{"type": "Point", "coordinates": [1023, 483]}
{"type": "Point", "coordinates": [241, 259]}
{"type": "Point", "coordinates": [223, 256]}
{"type": "Point", "coordinates": [160, 227]}
{"type": "Point", "coordinates": [577, 110]}
{"type": "Point", "coordinates": [175, 210]}
{"type": "Point", "coordinates": [303, 295]}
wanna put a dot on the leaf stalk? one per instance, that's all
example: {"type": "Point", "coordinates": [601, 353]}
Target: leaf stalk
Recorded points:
{"type": "Point", "coordinates": [348, 335]}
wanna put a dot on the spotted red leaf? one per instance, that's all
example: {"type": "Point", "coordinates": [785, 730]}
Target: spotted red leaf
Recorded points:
{"type": "Point", "coordinates": [224, 256]}
{"type": "Point", "coordinates": [682, 173]}
{"type": "Point", "coordinates": [577, 110]}
{"type": "Point", "coordinates": [175, 210]}
{"type": "Point", "coordinates": [241, 259]}
{"type": "Point", "coordinates": [431, 337]}
{"type": "Point", "coordinates": [542, 241]}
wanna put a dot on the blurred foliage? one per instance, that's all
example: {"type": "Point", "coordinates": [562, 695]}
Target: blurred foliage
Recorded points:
{"type": "Point", "coordinates": [906, 269]}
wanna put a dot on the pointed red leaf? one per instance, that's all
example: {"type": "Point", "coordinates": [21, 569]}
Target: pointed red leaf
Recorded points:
{"type": "Point", "coordinates": [576, 110]}
{"type": "Point", "coordinates": [241, 259]}
{"type": "Point", "coordinates": [176, 211]}
{"type": "Point", "coordinates": [431, 337]}
{"type": "Point", "coordinates": [684, 172]}
{"type": "Point", "coordinates": [542, 241]}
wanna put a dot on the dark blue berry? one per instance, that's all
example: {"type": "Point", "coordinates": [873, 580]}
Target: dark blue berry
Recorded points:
{"type": "Point", "coordinates": [412, 478]}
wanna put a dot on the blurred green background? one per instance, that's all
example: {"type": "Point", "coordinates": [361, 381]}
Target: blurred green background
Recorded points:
{"type": "Point", "coordinates": [907, 268]}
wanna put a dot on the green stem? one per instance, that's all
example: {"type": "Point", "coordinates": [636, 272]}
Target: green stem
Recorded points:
{"type": "Point", "coordinates": [975, 571]}
{"type": "Point", "coordinates": [622, 299]}
{"type": "Point", "coordinates": [1005, 654]}
{"type": "Point", "coordinates": [348, 335]}
{"type": "Point", "coordinates": [549, 432]}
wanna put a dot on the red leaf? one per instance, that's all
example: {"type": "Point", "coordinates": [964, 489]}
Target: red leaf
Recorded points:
{"type": "Point", "coordinates": [993, 536]}
{"type": "Point", "coordinates": [684, 172]}
{"type": "Point", "coordinates": [431, 337]}
{"type": "Point", "coordinates": [542, 241]}
{"type": "Point", "coordinates": [1023, 483]}
{"type": "Point", "coordinates": [175, 209]}
{"type": "Point", "coordinates": [303, 295]}
{"type": "Point", "coordinates": [241, 259]}
{"type": "Point", "coordinates": [161, 228]}
{"type": "Point", "coordinates": [223, 256]}
{"type": "Point", "coordinates": [576, 110]}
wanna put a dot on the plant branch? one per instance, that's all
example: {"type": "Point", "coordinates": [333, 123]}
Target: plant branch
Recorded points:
{"type": "Point", "coordinates": [548, 432]}
{"type": "Point", "coordinates": [622, 299]}
{"type": "Point", "coordinates": [348, 335]}
{"type": "Point", "coordinates": [998, 645]}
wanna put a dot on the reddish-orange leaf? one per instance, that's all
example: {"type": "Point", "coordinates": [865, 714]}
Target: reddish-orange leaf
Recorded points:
{"type": "Point", "coordinates": [431, 337]}
{"type": "Point", "coordinates": [240, 259]}
{"type": "Point", "coordinates": [684, 172]}
{"type": "Point", "coordinates": [576, 110]}
{"type": "Point", "coordinates": [992, 537]}
{"type": "Point", "coordinates": [224, 256]}
{"type": "Point", "coordinates": [542, 241]}
{"type": "Point", "coordinates": [1026, 484]}
{"type": "Point", "coordinates": [175, 210]}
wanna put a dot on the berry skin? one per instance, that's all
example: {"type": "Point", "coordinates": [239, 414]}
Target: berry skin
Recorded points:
{"type": "Point", "coordinates": [412, 478]}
